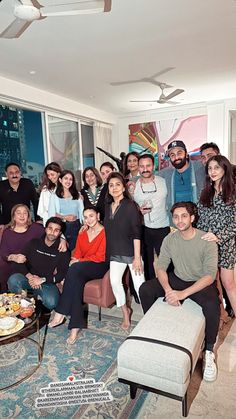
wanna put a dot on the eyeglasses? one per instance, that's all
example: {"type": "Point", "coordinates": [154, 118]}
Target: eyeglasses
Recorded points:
{"type": "Point", "coordinates": [143, 191]}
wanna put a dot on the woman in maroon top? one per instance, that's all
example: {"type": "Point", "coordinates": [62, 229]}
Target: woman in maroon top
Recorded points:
{"type": "Point", "coordinates": [16, 235]}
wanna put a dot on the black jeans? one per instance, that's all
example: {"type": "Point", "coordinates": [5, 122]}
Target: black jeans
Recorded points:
{"type": "Point", "coordinates": [152, 240]}
{"type": "Point", "coordinates": [207, 298]}
{"type": "Point", "coordinates": [71, 300]}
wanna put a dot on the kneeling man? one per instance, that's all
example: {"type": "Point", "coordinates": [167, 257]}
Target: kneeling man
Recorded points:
{"type": "Point", "coordinates": [195, 267]}
{"type": "Point", "coordinates": [44, 265]}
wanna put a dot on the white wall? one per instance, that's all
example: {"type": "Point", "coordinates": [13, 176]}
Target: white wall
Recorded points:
{"type": "Point", "coordinates": [19, 94]}
{"type": "Point", "coordinates": [218, 128]}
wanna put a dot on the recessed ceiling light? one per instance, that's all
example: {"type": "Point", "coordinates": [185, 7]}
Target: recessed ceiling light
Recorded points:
{"type": "Point", "coordinates": [32, 72]}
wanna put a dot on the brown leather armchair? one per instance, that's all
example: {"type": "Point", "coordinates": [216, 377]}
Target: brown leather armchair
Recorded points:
{"type": "Point", "coordinates": [99, 292]}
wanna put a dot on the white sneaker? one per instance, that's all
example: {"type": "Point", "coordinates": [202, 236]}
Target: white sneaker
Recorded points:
{"type": "Point", "coordinates": [209, 366]}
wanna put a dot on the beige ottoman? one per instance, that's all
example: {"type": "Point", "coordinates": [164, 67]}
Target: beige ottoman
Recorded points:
{"type": "Point", "coordinates": [161, 352]}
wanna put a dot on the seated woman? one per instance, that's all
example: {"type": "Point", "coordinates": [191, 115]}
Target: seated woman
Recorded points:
{"type": "Point", "coordinates": [16, 235]}
{"type": "Point", "coordinates": [87, 263]}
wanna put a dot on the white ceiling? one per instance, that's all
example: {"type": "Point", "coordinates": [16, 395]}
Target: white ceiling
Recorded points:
{"type": "Point", "coordinates": [78, 56]}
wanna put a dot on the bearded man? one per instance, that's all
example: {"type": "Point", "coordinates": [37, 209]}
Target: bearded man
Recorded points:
{"type": "Point", "coordinates": [186, 179]}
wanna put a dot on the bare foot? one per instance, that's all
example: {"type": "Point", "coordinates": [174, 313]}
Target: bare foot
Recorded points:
{"type": "Point", "coordinates": [57, 320]}
{"type": "Point", "coordinates": [72, 336]}
{"type": "Point", "coordinates": [125, 325]}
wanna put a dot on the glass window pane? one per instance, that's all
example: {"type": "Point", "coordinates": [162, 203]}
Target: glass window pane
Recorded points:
{"type": "Point", "coordinates": [87, 145]}
{"type": "Point", "coordinates": [64, 144]}
{"type": "Point", "coordinates": [21, 141]}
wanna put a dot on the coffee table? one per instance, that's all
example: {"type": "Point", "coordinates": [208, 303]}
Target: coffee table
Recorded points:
{"type": "Point", "coordinates": [22, 333]}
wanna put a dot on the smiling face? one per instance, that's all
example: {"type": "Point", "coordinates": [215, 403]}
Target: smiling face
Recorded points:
{"type": "Point", "coordinates": [116, 189]}
{"type": "Point", "coordinates": [215, 171]}
{"type": "Point", "coordinates": [90, 178]}
{"type": "Point", "coordinates": [66, 181]}
{"type": "Point", "coordinates": [91, 218]}
{"type": "Point", "coordinates": [146, 168]}
{"type": "Point", "coordinates": [21, 216]}
{"type": "Point", "coordinates": [182, 219]}
{"type": "Point", "coordinates": [132, 163]}
{"type": "Point", "coordinates": [178, 157]}
{"type": "Point", "coordinates": [53, 176]}
{"type": "Point", "coordinates": [105, 171]}
{"type": "Point", "coordinates": [13, 174]}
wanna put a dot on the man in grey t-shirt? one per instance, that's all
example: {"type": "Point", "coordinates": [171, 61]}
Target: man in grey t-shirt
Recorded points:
{"type": "Point", "coordinates": [194, 259]}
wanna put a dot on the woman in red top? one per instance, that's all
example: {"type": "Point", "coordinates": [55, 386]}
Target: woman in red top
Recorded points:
{"type": "Point", "coordinates": [87, 263]}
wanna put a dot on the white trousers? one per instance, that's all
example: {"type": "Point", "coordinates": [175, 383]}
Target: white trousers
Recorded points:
{"type": "Point", "coordinates": [116, 273]}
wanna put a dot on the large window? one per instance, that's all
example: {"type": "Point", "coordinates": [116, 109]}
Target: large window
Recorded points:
{"type": "Point", "coordinates": [21, 141]}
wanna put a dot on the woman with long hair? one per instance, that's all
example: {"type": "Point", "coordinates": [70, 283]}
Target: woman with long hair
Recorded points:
{"type": "Point", "coordinates": [123, 231]}
{"type": "Point", "coordinates": [94, 191]}
{"type": "Point", "coordinates": [67, 204]}
{"type": "Point", "coordinates": [105, 169]}
{"type": "Point", "coordinates": [217, 211]}
{"type": "Point", "coordinates": [16, 235]}
{"type": "Point", "coordinates": [48, 186]}
{"type": "Point", "coordinates": [87, 263]}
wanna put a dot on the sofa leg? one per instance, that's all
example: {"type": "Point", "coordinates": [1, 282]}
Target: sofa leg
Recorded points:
{"type": "Point", "coordinates": [185, 406]}
{"type": "Point", "coordinates": [99, 313]}
{"type": "Point", "coordinates": [133, 390]}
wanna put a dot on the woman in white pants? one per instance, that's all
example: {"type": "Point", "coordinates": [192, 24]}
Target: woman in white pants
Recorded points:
{"type": "Point", "coordinates": [123, 231]}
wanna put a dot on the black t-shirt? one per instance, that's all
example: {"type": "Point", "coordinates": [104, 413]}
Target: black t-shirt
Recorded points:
{"type": "Point", "coordinates": [44, 261]}
{"type": "Point", "coordinates": [25, 194]}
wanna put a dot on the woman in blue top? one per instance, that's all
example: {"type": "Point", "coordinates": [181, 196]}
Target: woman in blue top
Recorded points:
{"type": "Point", "coordinates": [67, 204]}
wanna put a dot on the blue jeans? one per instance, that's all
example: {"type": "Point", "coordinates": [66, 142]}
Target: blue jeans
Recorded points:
{"type": "Point", "coordinates": [49, 293]}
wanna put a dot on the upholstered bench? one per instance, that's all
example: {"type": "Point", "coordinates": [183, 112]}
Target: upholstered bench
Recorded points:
{"type": "Point", "coordinates": [162, 350]}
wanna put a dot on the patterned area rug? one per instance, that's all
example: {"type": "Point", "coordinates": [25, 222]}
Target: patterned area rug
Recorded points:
{"type": "Point", "coordinates": [92, 357]}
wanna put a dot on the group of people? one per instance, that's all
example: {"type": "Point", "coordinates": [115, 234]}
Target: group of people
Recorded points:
{"type": "Point", "coordinates": [119, 220]}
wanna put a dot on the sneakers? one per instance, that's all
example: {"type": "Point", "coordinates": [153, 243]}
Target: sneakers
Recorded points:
{"type": "Point", "coordinates": [209, 366]}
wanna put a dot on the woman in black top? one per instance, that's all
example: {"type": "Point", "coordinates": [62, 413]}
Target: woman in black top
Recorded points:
{"type": "Point", "coordinates": [123, 232]}
{"type": "Point", "coordinates": [94, 191]}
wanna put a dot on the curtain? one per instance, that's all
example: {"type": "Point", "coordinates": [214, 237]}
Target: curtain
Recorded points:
{"type": "Point", "coordinates": [103, 139]}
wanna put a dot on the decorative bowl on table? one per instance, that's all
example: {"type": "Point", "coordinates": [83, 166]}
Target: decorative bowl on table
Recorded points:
{"type": "Point", "coordinates": [7, 323]}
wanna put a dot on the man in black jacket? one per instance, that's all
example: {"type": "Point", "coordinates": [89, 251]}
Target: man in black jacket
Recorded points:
{"type": "Point", "coordinates": [16, 190]}
{"type": "Point", "coordinates": [44, 267]}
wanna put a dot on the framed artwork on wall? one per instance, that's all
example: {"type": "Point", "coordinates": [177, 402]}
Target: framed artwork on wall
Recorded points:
{"type": "Point", "coordinates": [154, 137]}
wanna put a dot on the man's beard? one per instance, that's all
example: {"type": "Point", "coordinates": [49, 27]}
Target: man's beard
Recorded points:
{"type": "Point", "coordinates": [180, 163]}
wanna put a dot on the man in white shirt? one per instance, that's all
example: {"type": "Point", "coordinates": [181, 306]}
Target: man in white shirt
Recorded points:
{"type": "Point", "coordinates": [150, 194]}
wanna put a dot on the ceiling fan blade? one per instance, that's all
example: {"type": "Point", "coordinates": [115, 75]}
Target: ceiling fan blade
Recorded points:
{"type": "Point", "coordinates": [120, 83]}
{"type": "Point", "coordinates": [82, 7]}
{"type": "Point", "coordinates": [15, 29]}
{"type": "Point", "coordinates": [143, 100]}
{"type": "Point", "coordinates": [162, 72]}
{"type": "Point", "coordinates": [173, 94]}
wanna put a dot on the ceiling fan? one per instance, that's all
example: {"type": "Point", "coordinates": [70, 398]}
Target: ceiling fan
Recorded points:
{"type": "Point", "coordinates": [150, 79]}
{"type": "Point", "coordinates": [27, 11]}
{"type": "Point", "coordinates": [163, 98]}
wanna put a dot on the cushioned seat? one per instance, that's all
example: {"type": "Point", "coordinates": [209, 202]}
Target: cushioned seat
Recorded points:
{"type": "Point", "coordinates": [99, 291]}
{"type": "Point", "coordinates": [161, 352]}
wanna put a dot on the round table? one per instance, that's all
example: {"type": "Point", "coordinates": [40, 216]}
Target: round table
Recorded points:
{"type": "Point", "coordinates": [4, 340]}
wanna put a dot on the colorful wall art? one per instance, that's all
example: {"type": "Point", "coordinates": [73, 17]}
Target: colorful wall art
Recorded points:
{"type": "Point", "coordinates": [154, 137]}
